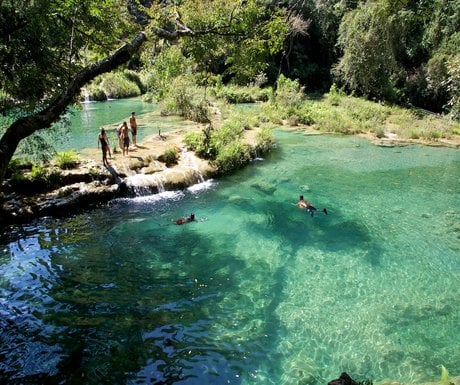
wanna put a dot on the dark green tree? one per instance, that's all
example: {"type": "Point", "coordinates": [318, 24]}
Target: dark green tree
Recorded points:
{"type": "Point", "coordinates": [401, 51]}
{"type": "Point", "coordinates": [50, 49]}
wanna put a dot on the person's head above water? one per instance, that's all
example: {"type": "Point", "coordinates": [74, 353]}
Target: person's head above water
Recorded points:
{"type": "Point", "coordinates": [301, 197]}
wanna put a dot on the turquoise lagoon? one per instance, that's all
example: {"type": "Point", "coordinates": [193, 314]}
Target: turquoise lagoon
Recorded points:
{"type": "Point", "coordinates": [86, 121]}
{"type": "Point", "coordinates": [259, 292]}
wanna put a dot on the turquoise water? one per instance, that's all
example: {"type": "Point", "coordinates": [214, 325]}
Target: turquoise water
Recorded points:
{"type": "Point", "coordinates": [260, 292]}
{"type": "Point", "coordinates": [86, 121]}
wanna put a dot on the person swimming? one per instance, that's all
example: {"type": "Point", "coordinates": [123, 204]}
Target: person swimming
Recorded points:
{"type": "Point", "coordinates": [304, 204]}
{"type": "Point", "coordinates": [181, 221]}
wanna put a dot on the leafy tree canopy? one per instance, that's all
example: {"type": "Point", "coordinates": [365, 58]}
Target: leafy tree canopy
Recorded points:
{"type": "Point", "coordinates": [50, 49]}
{"type": "Point", "coordinates": [45, 43]}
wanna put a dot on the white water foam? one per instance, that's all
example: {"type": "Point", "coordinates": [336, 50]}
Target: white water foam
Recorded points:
{"type": "Point", "coordinates": [203, 186]}
{"type": "Point", "coordinates": [162, 196]}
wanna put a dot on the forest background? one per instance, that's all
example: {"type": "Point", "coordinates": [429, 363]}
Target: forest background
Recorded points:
{"type": "Point", "coordinates": [181, 53]}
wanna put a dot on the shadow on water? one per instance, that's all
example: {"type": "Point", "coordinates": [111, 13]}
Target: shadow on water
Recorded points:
{"type": "Point", "coordinates": [144, 308]}
{"type": "Point", "coordinates": [326, 232]}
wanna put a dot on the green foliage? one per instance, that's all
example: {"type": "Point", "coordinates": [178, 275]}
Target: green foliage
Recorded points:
{"type": "Point", "coordinates": [97, 93]}
{"type": "Point", "coordinates": [368, 65]}
{"type": "Point", "coordinates": [38, 173]}
{"type": "Point", "coordinates": [244, 34]}
{"type": "Point", "coordinates": [452, 84]}
{"type": "Point", "coordinates": [400, 51]}
{"type": "Point", "coordinates": [238, 94]}
{"type": "Point", "coordinates": [200, 142]}
{"type": "Point", "coordinates": [335, 95]}
{"type": "Point", "coordinates": [289, 93]}
{"type": "Point", "coordinates": [38, 180]}
{"type": "Point", "coordinates": [17, 167]}
{"type": "Point", "coordinates": [230, 131]}
{"type": "Point", "coordinates": [170, 156]}
{"type": "Point", "coordinates": [41, 43]}
{"type": "Point", "coordinates": [264, 140]}
{"type": "Point", "coordinates": [117, 85]}
{"type": "Point", "coordinates": [225, 145]}
{"type": "Point", "coordinates": [185, 98]}
{"type": "Point", "coordinates": [39, 147]}
{"type": "Point", "coordinates": [164, 68]}
{"type": "Point", "coordinates": [66, 159]}
{"type": "Point", "coordinates": [232, 156]}
{"type": "Point", "coordinates": [288, 104]}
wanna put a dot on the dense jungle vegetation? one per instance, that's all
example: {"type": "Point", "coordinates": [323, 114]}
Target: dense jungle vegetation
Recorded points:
{"type": "Point", "coordinates": [184, 53]}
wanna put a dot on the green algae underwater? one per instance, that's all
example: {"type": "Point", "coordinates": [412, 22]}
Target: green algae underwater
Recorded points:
{"type": "Point", "coordinates": [259, 292]}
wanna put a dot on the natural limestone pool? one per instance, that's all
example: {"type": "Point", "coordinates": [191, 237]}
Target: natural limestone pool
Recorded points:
{"type": "Point", "coordinates": [259, 292]}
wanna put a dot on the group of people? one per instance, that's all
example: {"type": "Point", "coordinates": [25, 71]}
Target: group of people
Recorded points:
{"type": "Point", "coordinates": [123, 138]}
{"type": "Point", "coordinates": [123, 141]}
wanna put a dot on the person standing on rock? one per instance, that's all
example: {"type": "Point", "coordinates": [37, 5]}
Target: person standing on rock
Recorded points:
{"type": "Point", "coordinates": [120, 134]}
{"type": "Point", "coordinates": [125, 138]}
{"type": "Point", "coordinates": [103, 140]}
{"type": "Point", "coordinates": [133, 124]}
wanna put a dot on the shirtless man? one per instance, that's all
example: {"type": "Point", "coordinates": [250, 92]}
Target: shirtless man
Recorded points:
{"type": "Point", "coordinates": [133, 124]}
{"type": "Point", "coordinates": [303, 204]}
{"type": "Point", "coordinates": [120, 134]}
{"type": "Point", "coordinates": [125, 137]}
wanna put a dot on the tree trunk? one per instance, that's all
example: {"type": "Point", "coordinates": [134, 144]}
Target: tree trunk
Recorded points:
{"type": "Point", "coordinates": [26, 126]}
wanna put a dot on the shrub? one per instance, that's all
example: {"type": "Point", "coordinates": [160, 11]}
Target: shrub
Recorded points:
{"type": "Point", "coordinates": [238, 94]}
{"type": "Point", "coordinates": [229, 132]}
{"type": "Point", "coordinates": [66, 159]}
{"type": "Point", "coordinates": [170, 156]}
{"type": "Point", "coordinates": [335, 95]}
{"type": "Point", "coordinates": [184, 98]}
{"type": "Point", "coordinates": [193, 140]}
{"type": "Point", "coordinates": [200, 142]}
{"type": "Point", "coordinates": [288, 93]}
{"type": "Point", "coordinates": [264, 140]}
{"type": "Point", "coordinates": [97, 94]}
{"type": "Point", "coordinates": [39, 180]}
{"type": "Point", "coordinates": [17, 166]}
{"type": "Point", "coordinates": [117, 86]}
{"type": "Point", "coordinates": [232, 156]}
{"type": "Point", "coordinates": [379, 132]}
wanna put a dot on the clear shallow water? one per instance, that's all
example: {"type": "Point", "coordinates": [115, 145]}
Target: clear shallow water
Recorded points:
{"type": "Point", "coordinates": [86, 122]}
{"type": "Point", "coordinates": [260, 293]}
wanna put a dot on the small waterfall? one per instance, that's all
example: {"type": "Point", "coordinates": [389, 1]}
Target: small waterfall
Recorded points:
{"type": "Point", "coordinates": [86, 97]}
{"type": "Point", "coordinates": [142, 184]}
{"type": "Point", "coordinates": [189, 161]}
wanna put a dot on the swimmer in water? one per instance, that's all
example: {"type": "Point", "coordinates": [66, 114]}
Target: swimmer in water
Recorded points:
{"type": "Point", "coordinates": [303, 204]}
{"type": "Point", "coordinates": [182, 221]}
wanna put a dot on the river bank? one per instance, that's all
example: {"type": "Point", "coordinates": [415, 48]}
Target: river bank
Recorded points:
{"type": "Point", "coordinates": [142, 172]}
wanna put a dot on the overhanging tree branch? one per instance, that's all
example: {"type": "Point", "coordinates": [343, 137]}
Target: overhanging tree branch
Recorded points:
{"type": "Point", "coordinates": [26, 126]}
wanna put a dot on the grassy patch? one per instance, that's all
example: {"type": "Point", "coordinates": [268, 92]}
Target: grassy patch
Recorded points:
{"type": "Point", "coordinates": [66, 160]}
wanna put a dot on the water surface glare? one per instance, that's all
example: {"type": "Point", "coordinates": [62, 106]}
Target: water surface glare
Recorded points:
{"type": "Point", "coordinates": [259, 292]}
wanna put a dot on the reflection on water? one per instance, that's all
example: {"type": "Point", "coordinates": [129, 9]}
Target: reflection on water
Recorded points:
{"type": "Point", "coordinates": [260, 293]}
